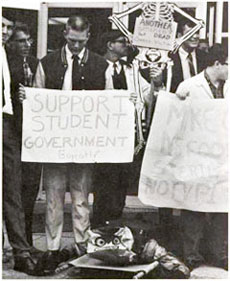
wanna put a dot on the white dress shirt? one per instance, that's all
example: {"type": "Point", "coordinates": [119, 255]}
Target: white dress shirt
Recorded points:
{"type": "Point", "coordinates": [110, 72]}
{"type": "Point", "coordinates": [7, 108]}
{"type": "Point", "coordinates": [129, 75]}
{"type": "Point", "coordinates": [185, 64]}
{"type": "Point", "coordinates": [67, 84]}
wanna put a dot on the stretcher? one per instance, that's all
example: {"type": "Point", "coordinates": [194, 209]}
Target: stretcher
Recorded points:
{"type": "Point", "coordinates": [138, 271]}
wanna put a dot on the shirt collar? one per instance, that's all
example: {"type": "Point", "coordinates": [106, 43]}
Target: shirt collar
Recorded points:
{"type": "Point", "coordinates": [69, 54]}
{"type": "Point", "coordinates": [81, 54]}
{"type": "Point", "coordinates": [111, 63]}
{"type": "Point", "coordinates": [207, 76]}
{"type": "Point", "coordinates": [213, 88]}
{"type": "Point", "coordinates": [185, 54]}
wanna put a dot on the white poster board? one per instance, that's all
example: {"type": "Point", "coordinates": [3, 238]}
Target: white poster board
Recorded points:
{"type": "Point", "coordinates": [77, 126]}
{"type": "Point", "coordinates": [185, 161]}
{"type": "Point", "coordinates": [154, 34]}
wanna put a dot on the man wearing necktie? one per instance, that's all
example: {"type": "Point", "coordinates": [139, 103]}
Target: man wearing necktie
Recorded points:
{"type": "Point", "coordinates": [73, 67]}
{"type": "Point", "coordinates": [22, 68]}
{"type": "Point", "coordinates": [212, 227]}
{"type": "Point", "coordinates": [113, 180]}
{"type": "Point", "coordinates": [188, 60]}
{"type": "Point", "coordinates": [12, 200]}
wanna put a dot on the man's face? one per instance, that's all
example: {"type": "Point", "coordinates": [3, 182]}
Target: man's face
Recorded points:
{"type": "Point", "coordinates": [6, 30]}
{"type": "Point", "coordinates": [193, 42]}
{"type": "Point", "coordinates": [21, 43]}
{"type": "Point", "coordinates": [120, 46]}
{"type": "Point", "coordinates": [76, 40]}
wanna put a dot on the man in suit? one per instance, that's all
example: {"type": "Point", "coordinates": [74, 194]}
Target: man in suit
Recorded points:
{"type": "Point", "coordinates": [113, 180]}
{"type": "Point", "coordinates": [22, 68]}
{"type": "Point", "coordinates": [73, 67]}
{"type": "Point", "coordinates": [12, 197]}
{"type": "Point", "coordinates": [189, 60]}
{"type": "Point", "coordinates": [209, 84]}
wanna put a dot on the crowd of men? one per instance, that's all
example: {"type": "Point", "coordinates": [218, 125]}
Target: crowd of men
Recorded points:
{"type": "Point", "coordinates": [78, 68]}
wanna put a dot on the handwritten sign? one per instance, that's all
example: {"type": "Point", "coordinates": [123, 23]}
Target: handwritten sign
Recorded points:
{"type": "Point", "coordinates": [77, 126]}
{"type": "Point", "coordinates": [185, 161]}
{"type": "Point", "coordinates": [154, 34]}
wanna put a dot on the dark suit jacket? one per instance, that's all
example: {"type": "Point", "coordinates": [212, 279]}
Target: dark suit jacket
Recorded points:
{"type": "Point", "coordinates": [177, 73]}
{"type": "Point", "coordinates": [17, 76]}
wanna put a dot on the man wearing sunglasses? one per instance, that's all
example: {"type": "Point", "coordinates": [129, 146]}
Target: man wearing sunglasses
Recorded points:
{"type": "Point", "coordinates": [110, 194]}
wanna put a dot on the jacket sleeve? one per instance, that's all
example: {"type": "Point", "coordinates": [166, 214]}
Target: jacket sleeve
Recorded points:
{"type": "Point", "coordinates": [183, 88]}
{"type": "Point", "coordinates": [153, 251]}
{"type": "Point", "coordinates": [39, 79]}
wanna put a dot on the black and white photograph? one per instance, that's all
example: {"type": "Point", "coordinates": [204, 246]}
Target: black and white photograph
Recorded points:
{"type": "Point", "coordinates": [115, 139]}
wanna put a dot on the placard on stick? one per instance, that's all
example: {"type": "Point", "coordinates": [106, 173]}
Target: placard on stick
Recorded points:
{"type": "Point", "coordinates": [154, 34]}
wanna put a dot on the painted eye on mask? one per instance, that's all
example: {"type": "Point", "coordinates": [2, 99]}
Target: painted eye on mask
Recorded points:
{"type": "Point", "coordinates": [100, 242]}
{"type": "Point", "coordinates": [116, 241]}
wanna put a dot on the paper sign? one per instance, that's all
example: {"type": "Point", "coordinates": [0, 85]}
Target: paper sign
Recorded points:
{"type": "Point", "coordinates": [154, 34]}
{"type": "Point", "coordinates": [185, 161]}
{"type": "Point", "coordinates": [77, 126]}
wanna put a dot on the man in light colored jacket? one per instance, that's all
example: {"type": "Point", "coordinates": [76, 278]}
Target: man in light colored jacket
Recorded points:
{"type": "Point", "coordinates": [209, 84]}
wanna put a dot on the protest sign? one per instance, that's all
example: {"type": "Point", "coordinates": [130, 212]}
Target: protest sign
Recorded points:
{"type": "Point", "coordinates": [154, 34]}
{"type": "Point", "coordinates": [185, 161]}
{"type": "Point", "coordinates": [77, 126]}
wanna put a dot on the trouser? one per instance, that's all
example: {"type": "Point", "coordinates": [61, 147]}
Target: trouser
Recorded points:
{"type": "Point", "coordinates": [111, 183]}
{"type": "Point", "coordinates": [31, 173]}
{"type": "Point", "coordinates": [209, 228]}
{"type": "Point", "coordinates": [12, 183]}
{"type": "Point", "coordinates": [55, 178]}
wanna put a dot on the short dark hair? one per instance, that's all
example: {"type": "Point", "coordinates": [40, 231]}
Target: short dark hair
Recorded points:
{"type": "Point", "coordinates": [109, 36]}
{"type": "Point", "coordinates": [183, 23]}
{"type": "Point", "coordinates": [78, 22]}
{"type": "Point", "coordinates": [19, 26]}
{"type": "Point", "coordinates": [218, 52]}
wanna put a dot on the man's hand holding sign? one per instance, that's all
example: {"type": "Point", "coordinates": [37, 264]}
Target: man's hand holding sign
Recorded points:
{"type": "Point", "coordinates": [80, 127]}
{"type": "Point", "coordinates": [185, 162]}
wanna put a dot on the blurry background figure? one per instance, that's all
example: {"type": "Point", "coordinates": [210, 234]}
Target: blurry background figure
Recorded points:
{"type": "Point", "coordinates": [203, 45]}
{"type": "Point", "coordinates": [189, 60]}
{"type": "Point", "coordinates": [6, 33]}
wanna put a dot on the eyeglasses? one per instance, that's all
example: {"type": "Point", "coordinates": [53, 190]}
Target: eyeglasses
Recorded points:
{"type": "Point", "coordinates": [24, 41]}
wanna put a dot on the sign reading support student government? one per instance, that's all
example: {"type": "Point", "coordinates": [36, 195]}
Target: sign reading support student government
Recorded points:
{"type": "Point", "coordinates": [77, 126]}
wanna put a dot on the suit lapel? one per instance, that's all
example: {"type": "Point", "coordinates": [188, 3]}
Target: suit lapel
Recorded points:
{"type": "Point", "coordinates": [226, 89]}
{"type": "Point", "coordinates": [202, 82]}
